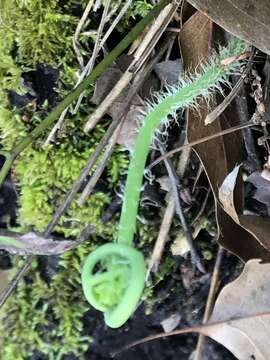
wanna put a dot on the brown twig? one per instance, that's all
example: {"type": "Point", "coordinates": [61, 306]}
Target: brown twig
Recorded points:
{"type": "Point", "coordinates": [210, 301]}
{"type": "Point", "coordinates": [196, 328]}
{"type": "Point", "coordinates": [195, 258]}
{"type": "Point", "coordinates": [162, 236]}
{"type": "Point", "coordinates": [201, 211]}
{"type": "Point", "coordinates": [75, 38]}
{"type": "Point", "coordinates": [61, 119]}
{"type": "Point", "coordinates": [212, 116]}
{"type": "Point", "coordinates": [167, 218]}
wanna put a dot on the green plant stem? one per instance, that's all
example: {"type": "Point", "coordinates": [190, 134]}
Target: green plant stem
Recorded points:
{"type": "Point", "coordinates": [73, 95]}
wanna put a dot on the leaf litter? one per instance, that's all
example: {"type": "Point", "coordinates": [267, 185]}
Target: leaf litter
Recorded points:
{"type": "Point", "coordinates": [244, 235]}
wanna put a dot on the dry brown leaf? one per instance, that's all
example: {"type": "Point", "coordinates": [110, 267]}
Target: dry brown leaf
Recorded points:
{"type": "Point", "coordinates": [247, 19]}
{"type": "Point", "coordinates": [257, 226]}
{"type": "Point", "coordinates": [247, 295]}
{"type": "Point", "coordinates": [220, 155]}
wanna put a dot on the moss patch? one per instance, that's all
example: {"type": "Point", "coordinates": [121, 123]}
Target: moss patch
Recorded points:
{"type": "Point", "coordinates": [45, 313]}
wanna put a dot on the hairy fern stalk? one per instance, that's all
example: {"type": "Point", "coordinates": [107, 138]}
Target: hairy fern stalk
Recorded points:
{"type": "Point", "coordinates": [123, 268]}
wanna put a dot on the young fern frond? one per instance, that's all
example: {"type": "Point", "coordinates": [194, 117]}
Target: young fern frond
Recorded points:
{"type": "Point", "coordinates": [105, 283]}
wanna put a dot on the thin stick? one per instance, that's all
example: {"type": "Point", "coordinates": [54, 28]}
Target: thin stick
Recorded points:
{"type": "Point", "coordinates": [210, 301]}
{"type": "Point", "coordinates": [167, 219]}
{"type": "Point", "coordinates": [199, 141]}
{"type": "Point", "coordinates": [89, 65]}
{"type": "Point", "coordinates": [212, 116]}
{"type": "Point", "coordinates": [91, 62]}
{"type": "Point", "coordinates": [73, 95]}
{"type": "Point", "coordinates": [201, 211]}
{"type": "Point", "coordinates": [162, 236]}
{"type": "Point", "coordinates": [195, 258]}
{"type": "Point", "coordinates": [75, 39]}
{"type": "Point", "coordinates": [115, 22]}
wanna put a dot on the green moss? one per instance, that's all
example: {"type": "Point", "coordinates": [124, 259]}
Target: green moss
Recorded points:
{"type": "Point", "coordinates": [40, 30]}
{"type": "Point", "coordinates": [141, 8]}
{"type": "Point", "coordinates": [47, 316]}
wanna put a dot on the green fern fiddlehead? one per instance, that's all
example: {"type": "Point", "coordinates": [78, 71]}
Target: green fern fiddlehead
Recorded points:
{"type": "Point", "coordinates": [113, 275]}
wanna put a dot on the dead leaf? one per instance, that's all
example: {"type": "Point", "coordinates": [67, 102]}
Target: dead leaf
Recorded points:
{"type": "Point", "coordinates": [33, 243]}
{"type": "Point", "coordinates": [226, 193]}
{"type": "Point", "coordinates": [195, 40]}
{"type": "Point", "coordinates": [248, 19]}
{"type": "Point", "coordinates": [218, 156]}
{"type": "Point", "coordinates": [257, 226]}
{"type": "Point", "coordinates": [247, 295]}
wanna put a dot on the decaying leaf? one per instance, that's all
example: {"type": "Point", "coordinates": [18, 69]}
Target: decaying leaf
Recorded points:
{"type": "Point", "coordinates": [247, 19]}
{"type": "Point", "coordinates": [33, 243]}
{"type": "Point", "coordinates": [219, 156]}
{"type": "Point", "coordinates": [257, 226]}
{"type": "Point", "coordinates": [247, 295]}
{"type": "Point", "coordinates": [226, 195]}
